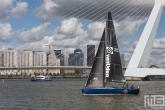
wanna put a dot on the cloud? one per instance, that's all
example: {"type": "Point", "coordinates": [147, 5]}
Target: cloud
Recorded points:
{"type": "Point", "coordinates": [46, 10]}
{"type": "Point", "coordinates": [95, 30]}
{"type": "Point", "coordinates": [65, 36]}
{"type": "Point", "coordinates": [124, 43]}
{"type": "Point", "coordinates": [37, 45]}
{"type": "Point", "coordinates": [70, 26]}
{"type": "Point", "coordinates": [157, 54]}
{"type": "Point", "coordinates": [19, 10]}
{"type": "Point", "coordinates": [40, 45]}
{"type": "Point", "coordinates": [5, 31]}
{"type": "Point", "coordinates": [128, 26]}
{"type": "Point", "coordinates": [92, 9]}
{"type": "Point", "coordinates": [34, 34]}
{"type": "Point", "coordinates": [7, 9]}
{"type": "Point", "coordinates": [69, 30]}
{"type": "Point", "coordinates": [71, 34]}
{"type": "Point", "coordinates": [159, 43]}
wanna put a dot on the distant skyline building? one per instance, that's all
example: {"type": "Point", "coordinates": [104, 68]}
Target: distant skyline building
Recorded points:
{"type": "Point", "coordinates": [76, 59]}
{"type": "Point", "coordinates": [59, 55]}
{"type": "Point", "coordinates": [53, 61]}
{"type": "Point", "coordinates": [40, 60]}
{"type": "Point", "coordinates": [11, 59]}
{"type": "Point", "coordinates": [1, 58]}
{"type": "Point", "coordinates": [64, 62]}
{"type": "Point", "coordinates": [65, 59]}
{"type": "Point", "coordinates": [122, 60]}
{"type": "Point", "coordinates": [27, 60]}
{"type": "Point", "coordinates": [90, 54]}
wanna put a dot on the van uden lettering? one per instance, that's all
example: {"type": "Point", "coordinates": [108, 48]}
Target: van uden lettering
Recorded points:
{"type": "Point", "coordinates": [109, 51]}
{"type": "Point", "coordinates": [107, 65]}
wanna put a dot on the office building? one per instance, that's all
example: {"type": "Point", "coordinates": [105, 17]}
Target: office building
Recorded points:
{"type": "Point", "coordinates": [76, 59]}
{"type": "Point", "coordinates": [1, 58]}
{"type": "Point", "coordinates": [27, 61]}
{"type": "Point", "coordinates": [122, 60]}
{"type": "Point", "coordinates": [10, 60]}
{"type": "Point", "coordinates": [58, 55]}
{"type": "Point", "coordinates": [53, 61]}
{"type": "Point", "coordinates": [65, 59]}
{"type": "Point", "coordinates": [90, 54]}
{"type": "Point", "coordinates": [40, 60]}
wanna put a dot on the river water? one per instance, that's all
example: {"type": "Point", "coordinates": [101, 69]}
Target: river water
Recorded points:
{"type": "Point", "coordinates": [65, 94]}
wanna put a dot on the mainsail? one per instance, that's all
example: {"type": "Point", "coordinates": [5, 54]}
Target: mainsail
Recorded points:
{"type": "Point", "coordinates": [107, 64]}
{"type": "Point", "coordinates": [113, 62]}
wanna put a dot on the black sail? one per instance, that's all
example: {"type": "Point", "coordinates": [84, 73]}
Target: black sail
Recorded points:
{"type": "Point", "coordinates": [107, 64]}
{"type": "Point", "coordinates": [96, 77]}
{"type": "Point", "coordinates": [113, 66]}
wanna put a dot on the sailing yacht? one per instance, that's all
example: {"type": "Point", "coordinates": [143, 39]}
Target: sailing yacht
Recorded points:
{"type": "Point", "coordinates": [106, 76]}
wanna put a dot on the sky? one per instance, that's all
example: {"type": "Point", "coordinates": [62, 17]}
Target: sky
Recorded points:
{"type": "Point", "coordinates": [71, 24]}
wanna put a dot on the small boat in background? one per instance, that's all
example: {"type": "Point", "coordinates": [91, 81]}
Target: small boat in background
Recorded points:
{"type": "Point", "coordinates": [41, 78]}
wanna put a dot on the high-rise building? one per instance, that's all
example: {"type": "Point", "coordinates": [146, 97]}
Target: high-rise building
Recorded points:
{"type": "Point", "coordinates": [53, 61]}
{"type": "Point", "coordinates": [1, 58]}
{"type": "Point", "coordinates": [65, 59]}
{"type": "Point", "coordinates": [76, 59]}
{"type": "Point", "coordinates": [59, 56]}
{"type": "Point", "coordinates": [11, 60]}
{"type": "Point", "coordinates": [58, 53]}
{"type": "Point", "coordinates": [64, 62]}
{"type": "Point", "coordinates": [122, 60]}
{"type": "Point", "coordinates": [40, 60]}
{"type": "Point", "coordinates": [27, 60]}
{"type": "Point", "coordinates": [90, 54]}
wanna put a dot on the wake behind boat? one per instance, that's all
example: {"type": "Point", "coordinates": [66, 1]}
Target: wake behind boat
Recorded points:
{"type": "Point", "coordinates": [106, 76]}
{"type": "Point", "coordinates": [41, 78]}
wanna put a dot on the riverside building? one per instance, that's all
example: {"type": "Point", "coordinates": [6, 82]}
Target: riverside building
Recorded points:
{"type": "Point", "coordinates": [40, 60]}
{"type": "Point", "coordinates": [10, 60]}
{"type": "Point", "coordinates": [27, 60]}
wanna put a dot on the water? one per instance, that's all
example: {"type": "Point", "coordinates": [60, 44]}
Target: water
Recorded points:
{"type": "Point", "coordinates": [65, 94]}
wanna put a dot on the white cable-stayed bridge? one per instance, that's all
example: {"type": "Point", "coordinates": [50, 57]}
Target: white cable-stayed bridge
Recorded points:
{"type": "Point", "coordinates": [123, 12]}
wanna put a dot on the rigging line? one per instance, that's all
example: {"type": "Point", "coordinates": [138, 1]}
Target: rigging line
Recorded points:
{"type": "Point", "coordinates": [126, 37]}
{"type": "Point", "coordinates": [79, 6]}
{"type": "Point", "coordinates": [74, 14]}
{"type": "Point", "coordinates": [75, 9]}
{"type": "Point", "coordinates": [133, 20]}
{"type": "Point", "coordinates": [63, 46]}
{"type": "Point", "coordinates": [135, 32]}
{"type": "Point", "coordinates": [128, 34]}
{"type": "Point", "coordinates": [123, 39]}
{"type": "Point", "coordinates": [97, 12]}
{"type": "Point", "coordinates": [133, 16]}
{"type": "Point", "coordinates": [84, 11]}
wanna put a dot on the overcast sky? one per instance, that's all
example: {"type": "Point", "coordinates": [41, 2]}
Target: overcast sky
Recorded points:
{"type": "Point", "coordinates": [70, 24]}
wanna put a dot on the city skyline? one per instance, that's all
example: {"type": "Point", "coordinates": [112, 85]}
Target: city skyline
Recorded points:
{"type": "Point", "coordinates": [33, 24]}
